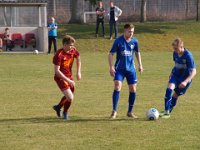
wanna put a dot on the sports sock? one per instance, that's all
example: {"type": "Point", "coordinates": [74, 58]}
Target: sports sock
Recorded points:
{"type": "Point", "coordinates": [62, 102]}
{"type": "Point", "coordinates": [67, 105]}
{"type": "Point", "coordinates": [115, 99]}
{"type": "Point", "coordinates": [132, 97]}
{"type": "Point", "coordinates": [173, 103]}
{"type": "Point", "coordinates": [168, 98]}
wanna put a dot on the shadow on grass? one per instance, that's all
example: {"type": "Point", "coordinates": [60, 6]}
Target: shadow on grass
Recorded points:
{"type": "Point", "coordinates": [87, 31]}
{"type": "Point", "coordinates": [73, 119]}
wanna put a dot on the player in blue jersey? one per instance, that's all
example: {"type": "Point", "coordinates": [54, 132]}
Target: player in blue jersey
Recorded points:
{"type": "Point", "coordinates": [125, 47]}
{"type": "Point", "coordinates": [180, 78]}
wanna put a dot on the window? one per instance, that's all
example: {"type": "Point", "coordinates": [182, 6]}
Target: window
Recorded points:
{"type": "Point", "coordinates": [21, 16]}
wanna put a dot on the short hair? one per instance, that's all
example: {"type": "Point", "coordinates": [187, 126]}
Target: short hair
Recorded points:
{"type": "Point", "coordinates": [68, 40]}
{"type": "Point", "coordinates": [52, 18]}
{"type": "Point", "coordinates": [6, 29]}
{"type": "Point", "coordinates": [128, 25]}
{"type": "Point", "coordinates": [178, 42]}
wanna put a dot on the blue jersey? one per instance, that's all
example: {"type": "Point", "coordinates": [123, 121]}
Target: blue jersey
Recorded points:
{"type": "Point", "coordinates": [52, 32]}
{"type": "Point", "coordinates": [125, 51]}
{"type": "Point", "coordinates": [183, 65]}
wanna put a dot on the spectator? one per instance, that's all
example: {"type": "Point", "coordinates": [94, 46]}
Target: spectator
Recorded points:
{"type": "Point", "coordinates": [100, 18]}
{"type": "Point", "coordinates": [7, 39]}
{"type": "Point", "coordinates": [52, 27]}
{"type": "Point", "coordinates": [114, 14]}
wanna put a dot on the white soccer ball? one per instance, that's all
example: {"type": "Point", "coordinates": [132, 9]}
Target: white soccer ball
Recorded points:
{"type": "Point", "coordinates": [152, 114]}
{"type": "Point", "coordinates": [36, 52]}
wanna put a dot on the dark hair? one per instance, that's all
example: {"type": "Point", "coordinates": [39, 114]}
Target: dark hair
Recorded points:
{"type": "Point", "coordinates": [68, 40]}
{"type": "Point", "coordinates": [6, 29]}
{"type": "Point", "coordinates": [127, 26]}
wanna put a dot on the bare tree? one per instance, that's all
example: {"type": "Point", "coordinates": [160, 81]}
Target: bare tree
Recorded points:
{"type": "Point", "coordinates": [75, 13]}
{"type": "Point", "coordinates": [197, 10]}
{"type": "Point", "coordinates": [143, 11]}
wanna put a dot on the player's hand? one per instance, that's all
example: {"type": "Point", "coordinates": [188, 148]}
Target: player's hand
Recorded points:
{"type": "Point", "coordinates": [140, 69]}
{"type": "Point", "coordinates": [78, 76]}
{"type": "Point", "coordinates": [112, 71]}
{"type": "Point", "coordinates": [182, 85]}
{"type": "Point", "coordinates": [71, 83]}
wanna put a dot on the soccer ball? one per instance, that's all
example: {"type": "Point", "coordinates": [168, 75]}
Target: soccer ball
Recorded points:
{"type": "Point", "coordinates": [36, 52]}
{"type": "Point", "coordinates": [152, 114]}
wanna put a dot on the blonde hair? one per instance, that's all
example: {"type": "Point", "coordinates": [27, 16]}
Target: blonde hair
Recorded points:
{"type": "Point", "coordinates": [52, 18]}
{"type": "Point", "coordinates": [178, 42]}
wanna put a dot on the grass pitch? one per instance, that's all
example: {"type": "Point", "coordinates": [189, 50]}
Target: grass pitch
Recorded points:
{"type": "Point", "coordinates": [28, 92]}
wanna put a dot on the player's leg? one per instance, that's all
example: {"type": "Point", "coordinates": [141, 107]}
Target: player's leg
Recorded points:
{"type": "Point", "coordinates": [50, 43]}
{"type": "Point", "coordinates": [132, 83]}
{"type": "Point", "coordinates": [69, 98]}
{"type": "Point", "coordinates": [167, 100]}
{"type": "Point", "coordinates": [174, 101]}
{"type": "Point", "coordinates": [177, 93]}
{"type": "Point", "coordinates": [119, 77]}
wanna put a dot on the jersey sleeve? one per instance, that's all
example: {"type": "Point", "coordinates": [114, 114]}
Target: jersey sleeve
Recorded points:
{"type": "Point", "coordinates": [57, 60]}
{"type": "Point", "coordinates": [136, 48]}
{"type": "Point", "coordinates": [114, 47]}
{"type": "Point", "coordinates": [76, 53]}
{"type": "Point", "coordinates": [190, 62]}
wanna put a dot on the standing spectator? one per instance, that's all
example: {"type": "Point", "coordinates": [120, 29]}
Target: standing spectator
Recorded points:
{"type": "Point", "coordinates": [114, 14]}
{"type": "Point", "coordinates": [52, 27]}
{"type": "Point", "coordinates": [100, 18]}
{"type": "Point", "coordinates": [7, 39]}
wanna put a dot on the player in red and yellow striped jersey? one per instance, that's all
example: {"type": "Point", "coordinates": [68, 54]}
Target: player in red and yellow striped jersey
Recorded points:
{"type": "Point", "coordinates": [63, 62]}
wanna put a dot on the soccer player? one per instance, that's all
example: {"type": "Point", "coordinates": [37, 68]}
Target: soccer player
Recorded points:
{"type": "Point", "coordinates": [63, 61]}
{"type": "Point", "coordinates": [125, 47]}
{"type": "Point", "coordinates": [180, 78]}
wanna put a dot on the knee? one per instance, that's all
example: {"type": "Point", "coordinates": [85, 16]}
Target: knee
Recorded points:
{"type": "Point", "coordinates": [132, 89]}
{"type": "Point", "coordinates": [118, 86]}
{"type": "Point", "coordinates": [171, 86]}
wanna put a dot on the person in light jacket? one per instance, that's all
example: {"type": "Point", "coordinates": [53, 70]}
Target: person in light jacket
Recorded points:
{"type": "Point", "coordinates": [114, 14]}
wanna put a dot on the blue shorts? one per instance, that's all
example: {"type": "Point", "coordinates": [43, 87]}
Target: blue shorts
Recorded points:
{"type": "Point", "coordinates": [179, 91]}
{"type": "Point", "coordinates": [129, 75]}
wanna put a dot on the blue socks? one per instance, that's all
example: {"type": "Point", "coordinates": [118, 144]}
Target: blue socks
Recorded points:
{"type": "Point", "coordinates": [168, 98]}
{"type": "Point", "coordinates": [173, 103]}
{"type": "Point", "coordinates": [132, 97]}
{"type": "Point", "coordinates": [115, 99]}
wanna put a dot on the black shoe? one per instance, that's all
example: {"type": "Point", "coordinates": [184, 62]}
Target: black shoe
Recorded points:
{"type": "Point", "coordinates": [57, 109]}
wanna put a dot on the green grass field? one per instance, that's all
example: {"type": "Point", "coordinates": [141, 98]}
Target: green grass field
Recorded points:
{"type": "Point", "coordinates": [28, 92]}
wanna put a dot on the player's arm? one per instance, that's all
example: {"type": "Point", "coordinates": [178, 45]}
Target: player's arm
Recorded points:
{"type": "Point", "coordinates": [62, 76]}
{"type": "Point", "coordinates": [139, 60]}
{"type": "Point", "coordinates": [78, 65]}
{"type": "Point", "coordinates": [111, 66]}
{"type": "Point", "coordinates": [189, 78]}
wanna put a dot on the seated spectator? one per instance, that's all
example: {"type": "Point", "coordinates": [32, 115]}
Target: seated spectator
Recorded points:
{"type": "Point", "coordinates": [7, 39]}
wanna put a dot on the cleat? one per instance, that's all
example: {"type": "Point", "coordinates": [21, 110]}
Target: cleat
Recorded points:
{"type": "Point", "coordinates": [113, 115]}
{"type": "Point", "coordinates": [131, 115]}
{"type": "Point", "coordinates": [57, 109]}
{"type": "Point", "coordinates": [161, 113]}
{"type": "Point", "coordinates": [164, 114]}
{"type": "Point", "coordinates": [65, 116]}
